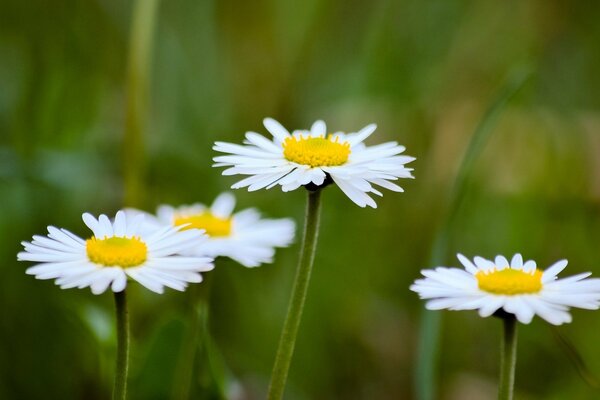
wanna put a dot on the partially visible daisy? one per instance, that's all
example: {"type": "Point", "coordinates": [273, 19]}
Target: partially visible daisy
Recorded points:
{"type": "Point", "coordinates": [314, 158]}
{"type": "Point", "coordinates": [242, 236]}
{"type": "Point", "coordinates": [517, 288]}
{"type": "Point", "coordinates": [117, 250]}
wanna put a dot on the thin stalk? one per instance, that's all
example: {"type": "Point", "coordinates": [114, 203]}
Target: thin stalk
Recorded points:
{"type": "Point", "coordinates": [143, 24]}
{"type": "Point", "coordinates": [430, 325]}
{"type": "Point", "coordinates": [122, 368]}
{"type": "Point", "coordinates": [287, 340]}
{"type": "Point", "coordinates": [575, 357]}
{"type": "Point", "coordinates": [215, 367]}
{"type": "Point", "coordinates": [192, 342]}
{"type": "Point", "coordinates": [508, 359]}
{"type": "Point", "coordinates": [138, 83]}
{"type": "Point", "coordinates": [189, 348]}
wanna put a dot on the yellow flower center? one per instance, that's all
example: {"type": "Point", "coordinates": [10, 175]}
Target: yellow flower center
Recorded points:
{"type": "Point", "coordinates": [213, 225]}
{"type": "Point", "coordinates": [510, 281]}
{"type": "Point", "coordinates": [316, 151]}
{"type": "Point", "coordinates": [116, 251]}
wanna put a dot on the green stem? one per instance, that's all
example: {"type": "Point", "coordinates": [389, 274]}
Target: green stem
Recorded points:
{"type": "Point", "coordinates": [509, 358]}
{"type": "Point", "coordinates": [120, 386]}
{"type": "Point", "coordinates": [198, 299]}
{"type": "Point", "coordinates": [287, 341]}
{"type": "Point", "coordinates": [138, 83]}
{"type": "Point", "coordinates": [215, 367]}
{"type": "Point", "coordinates": [185, 368]}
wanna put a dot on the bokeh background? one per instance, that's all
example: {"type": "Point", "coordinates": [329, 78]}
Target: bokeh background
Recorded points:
{"type": "Point", "coordinates": [424, 71]}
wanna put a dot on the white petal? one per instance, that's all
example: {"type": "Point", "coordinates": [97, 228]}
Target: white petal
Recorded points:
{"type": "Point", "coordinates": [93, 224]}
{"type": "Point", "coordinates": [120, 224]}
{"type": "Point", "coordinates": [223, 205]}
{"type": "Point", "coordinates": [362, 134]}
{"type": "Point", "coordinates": [515, 305]}
{"type": "Point", "coordinates": [493, 303]}
{"type": "Point", "coordinates": [469, 266]}
{"type": "Point", "coordinates": [501, 262]}
{"type": "Point", "coordinates": [483, 264]}
{"type": "Point", "coordinates": [529, 266]}
{"type": "Point", "coordinates": [276, 129]}
{"type": "Point", "coordinates": [555, 269]}
{"type": "Point", "coordinates": [248, 153]}
{"type": "Point", "coordinates": [517, 261]}
{"type": "Point", "coordinates": [138, 222]}
{"type": "Point", "coordinates": [119, 283]}
{"type": "Point", "coordinates": [358, 197]}
{"type": "Point", "coordinates": [262, 142]}
{"type": "Point", "coordinates": [318, 129]}
{"type": "Point", "coordinates": [102, 280]}
{"type": "Point", "coordinates": [55, 244]}
{"type": "Point", "coordinates": [553, 315]}
{"type": "Point", "coordinates": [106, 225]}
{"type": "Point", "coordinates": [150, 284]}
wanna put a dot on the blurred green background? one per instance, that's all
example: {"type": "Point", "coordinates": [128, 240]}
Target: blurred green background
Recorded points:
{"type": "Point", "coordinates": [424, 71]}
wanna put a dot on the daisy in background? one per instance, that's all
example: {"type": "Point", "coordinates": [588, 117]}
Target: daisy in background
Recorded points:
{"type": "Point", "coordinates": [242, 236]}
{"type": "Point", "coordinates": [314, 158]}
{"type": "Point", "coordinates": [514, 290]}
{"type": "Point", "coordinates": [118, 250]}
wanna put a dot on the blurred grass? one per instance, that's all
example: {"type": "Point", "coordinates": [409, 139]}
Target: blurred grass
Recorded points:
{"type": "Point", "coordinates": [137, 95]}
{"type": "Point", "coordinates": [431, 324]}
{"type": "Point", "coordinates": [423, 71]}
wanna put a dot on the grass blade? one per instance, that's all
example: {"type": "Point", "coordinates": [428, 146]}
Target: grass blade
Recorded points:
{"type": "Point", "coordinates": [430, 325]}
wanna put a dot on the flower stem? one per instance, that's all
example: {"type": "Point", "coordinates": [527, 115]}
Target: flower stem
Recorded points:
{"type": "Point", "coordinates": [287, 340]}
{"type": "Point", "coordinates": [194, 339]}
{"type": "Point", "coordinates": [509, 358]}
{"type": "Point", "coordinates": [189, 348]}
{"type": "Point", "coordinates": [120, 386]}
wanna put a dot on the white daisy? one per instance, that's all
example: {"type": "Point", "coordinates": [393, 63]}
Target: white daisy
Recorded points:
{"type": "Point", "coordinates": [518, 288]}
{"type": "Point", "coordinates": [243, 236]}
{"type": "Point", "coordinates": [117, 250]}
{"type": "Point", "coordinates": [314, 158]}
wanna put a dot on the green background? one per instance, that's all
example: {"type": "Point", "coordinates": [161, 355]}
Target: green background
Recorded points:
{"type": "Point", "coordinates": [424, 71]}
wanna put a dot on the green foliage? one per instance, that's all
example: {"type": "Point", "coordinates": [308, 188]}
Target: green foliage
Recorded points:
{"type": "Point", "coordinates": [424, 71]}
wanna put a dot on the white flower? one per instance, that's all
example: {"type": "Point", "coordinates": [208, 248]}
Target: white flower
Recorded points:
{"type": "Point", "coordinates": [517, 288]}
{"type": "Point", "coordinates": [314, 158]}
{"type": "Point", "coordinates": [243, 236]}
{"type": "Point", "coordinates": [117, 250]}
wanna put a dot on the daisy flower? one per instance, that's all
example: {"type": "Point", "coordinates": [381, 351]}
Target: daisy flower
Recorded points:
{"type": "Point", "coordinates": [517, 288]}
{"type": "Point", "coordinates": [313, 158]}
{"type": "Point", "coordinates": [117, 250]}
{"type": "Point", "coordinates": [242, 236]}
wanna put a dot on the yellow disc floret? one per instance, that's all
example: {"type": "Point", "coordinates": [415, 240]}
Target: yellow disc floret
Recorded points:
{"type": "Point", "coordinates": [213, 225]}
{"type": "Point", "coordinates": [316, 151]}
{"type": "Point", "coordinates": [116, 251]}
{"type": "Point", "coordinates": [510, 281]}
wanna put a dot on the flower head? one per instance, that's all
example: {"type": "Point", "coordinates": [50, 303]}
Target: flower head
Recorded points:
{"type": "Point", "coordinates": [118, 249]}
{"type": "Point", "coordinates": [517, 287]}
{"type": "Point", "coordinates": [243, 236]}
{"type": "Point", "coordinates": [313, 158]}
